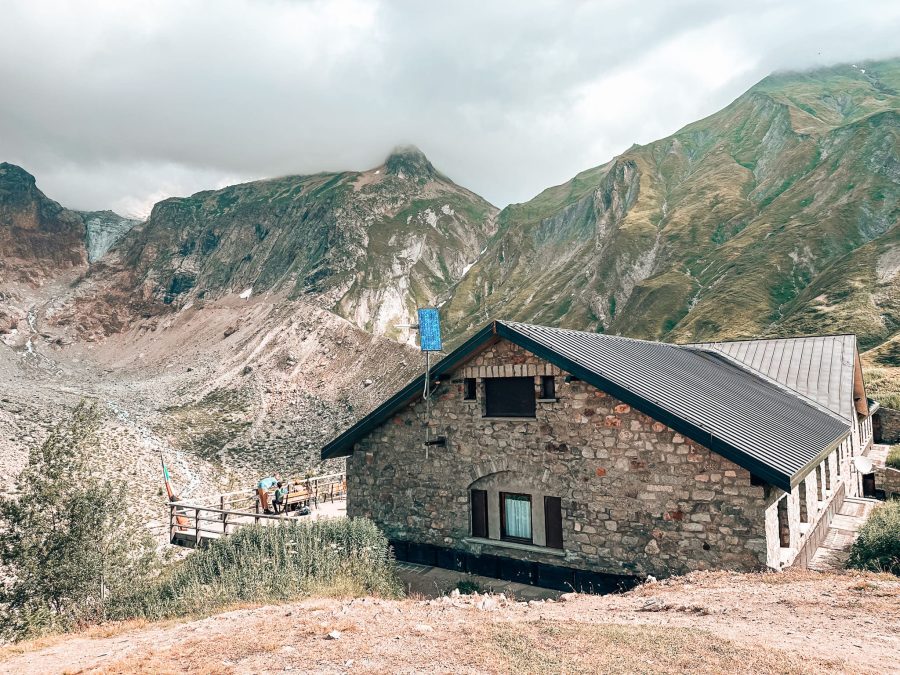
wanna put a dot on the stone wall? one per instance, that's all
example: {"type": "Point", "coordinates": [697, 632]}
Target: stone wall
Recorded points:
{"type": "Point", "coordinates": [886, 425]}
{"type": "Point", "coordinates": [637, 498]}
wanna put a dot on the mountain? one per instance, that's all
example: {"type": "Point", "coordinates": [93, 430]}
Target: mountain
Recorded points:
{"type": "Point", "coordinates": [38, 237]}
{"type": "Point", "coordinates": [370, 246]}
{"type": "Point", "coordinates": [776, 215]}
{"type": "Point", "coordinates": [235, 330]}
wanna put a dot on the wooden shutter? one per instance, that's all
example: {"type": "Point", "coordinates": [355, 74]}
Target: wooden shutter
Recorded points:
{"type": "Point", "coordinates": [479, 514]}
{"type": "Point", "coordinates": [509, 397]}
{"type": "Point", "coordinates": [553, 521]}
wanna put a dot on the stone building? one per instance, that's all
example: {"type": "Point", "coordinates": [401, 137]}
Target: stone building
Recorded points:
{"type": "Point", "coordinates": [564, 458]}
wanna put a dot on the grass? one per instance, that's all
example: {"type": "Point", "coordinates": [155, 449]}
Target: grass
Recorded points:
{"type": "Point", "coordinates": [883, 385]}
{"type": "Point", "coordinates": [260, 564]}
{"type": "Point", "coordinates": [545, 646]}
{"type": "Point", "coordinates": [893, 458]}
{"type": "Point", "coordinates": [877, 548]}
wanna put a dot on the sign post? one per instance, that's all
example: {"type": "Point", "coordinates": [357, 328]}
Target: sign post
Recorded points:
{"type": "Point", "coordinates": [429, 341]}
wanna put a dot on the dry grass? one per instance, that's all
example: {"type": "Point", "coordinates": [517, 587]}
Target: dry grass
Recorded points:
{"type": "Point", "coordinates": [545, 646]}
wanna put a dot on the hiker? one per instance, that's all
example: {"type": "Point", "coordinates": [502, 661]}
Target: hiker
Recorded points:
{"type": "Point", "coordinates": [262, 491]}
{"type": "Point", "coordinates": [280, 497]}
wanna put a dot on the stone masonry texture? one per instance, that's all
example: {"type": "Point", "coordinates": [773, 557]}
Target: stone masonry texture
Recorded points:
{"type": "Point", "coordinates": [637, 497]}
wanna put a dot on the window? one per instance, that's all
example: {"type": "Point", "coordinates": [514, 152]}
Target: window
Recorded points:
{"type": "Point", "coordinates": [509, 397]}
{"type": "Point", "coordinates": [804, 516]}
{"type": "Point", "coordinates": [820, 493]}
{"type": "Point", "coordinates": [553, 521]}
{"type": "Point", "coordinates": [548, 387]}
{"type": "Point", "coordinates": [515, 517]}
{"type": "Point", "coordinates": [469, 389]}
{"type": "Point", "coordinates": [784, 528]}
{"type": "Point", "coordinates": [479, 514]}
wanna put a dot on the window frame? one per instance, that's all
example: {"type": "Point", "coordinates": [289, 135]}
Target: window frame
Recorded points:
{"type": "Point", "coordinates": [503, 535]}
{"type": "Point", "coordinates": [490, 382]}
{"type": "Point", "coordinates": [470, 389]}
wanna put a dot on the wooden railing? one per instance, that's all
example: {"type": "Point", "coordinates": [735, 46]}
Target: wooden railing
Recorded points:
{"type": "Point", "coordinates": [217, 516]}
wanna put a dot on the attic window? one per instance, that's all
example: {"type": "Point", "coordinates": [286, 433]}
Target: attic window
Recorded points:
{"type": "Point", "coordinates": [469, 389]}
{"type": "Point", "coordinates": [509, 397]}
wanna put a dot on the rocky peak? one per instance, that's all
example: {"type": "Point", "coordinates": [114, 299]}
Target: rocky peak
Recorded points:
{"type": "Point", "coordinates": [17, 186]}
{"type": "Point", "coordinates": [38, 237]}
{"type": "Point", "coordinates": [408, 161]}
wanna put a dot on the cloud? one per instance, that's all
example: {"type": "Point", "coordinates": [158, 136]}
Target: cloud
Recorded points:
{"type": "Point", "coordinates": [115, 104]}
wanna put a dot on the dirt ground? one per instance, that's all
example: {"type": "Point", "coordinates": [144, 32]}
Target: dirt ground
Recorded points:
{"type": "Point", "coordinates": [796, 622]}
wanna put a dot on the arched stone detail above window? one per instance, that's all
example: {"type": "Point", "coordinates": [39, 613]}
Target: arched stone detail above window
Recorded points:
{"type": "Point", "coordinates": [497, 465]}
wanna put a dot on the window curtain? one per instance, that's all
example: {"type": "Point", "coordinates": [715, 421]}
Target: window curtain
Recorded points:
{"type": "Point", "coordinates": [518, 517]}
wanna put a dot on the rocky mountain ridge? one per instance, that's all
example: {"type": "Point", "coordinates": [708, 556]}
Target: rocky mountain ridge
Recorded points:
{"type": "Point", "coordinates": [774, 216]}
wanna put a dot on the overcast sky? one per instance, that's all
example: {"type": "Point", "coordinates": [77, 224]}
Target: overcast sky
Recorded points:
{"type": "Point", "coordinates": [115, 104]}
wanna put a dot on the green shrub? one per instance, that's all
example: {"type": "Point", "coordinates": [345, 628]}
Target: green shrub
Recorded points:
{"type": "Point", "coordinates": [893, 458]}
{"type": "Point", "coordinates": [271, 563]}
{"type": "Point", "coordinates": [877, 548]}
{"type": "Point", "coordinates": [67, 540]}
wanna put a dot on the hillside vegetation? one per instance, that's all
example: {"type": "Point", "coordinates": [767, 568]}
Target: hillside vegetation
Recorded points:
{"type": "Point", "coordinates": [774, 216]}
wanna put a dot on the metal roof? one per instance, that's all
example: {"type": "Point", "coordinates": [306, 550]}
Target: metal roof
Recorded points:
{"type": "Point", "coordinates": [768, 430]}
{"type": "Point", "coordinates": [819, 368]}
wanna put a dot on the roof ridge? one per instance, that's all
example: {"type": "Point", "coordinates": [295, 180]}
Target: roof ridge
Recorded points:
{"type": "Point", "coordinates": [769, 339]}
{"type": "Point", "coordinates": [585, 332]}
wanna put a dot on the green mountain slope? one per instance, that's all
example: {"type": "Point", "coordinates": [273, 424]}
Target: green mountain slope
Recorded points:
{"type": "Point", "coordinates": [752, 221]}
{"type": "Point", "coordinates": [370, 246]}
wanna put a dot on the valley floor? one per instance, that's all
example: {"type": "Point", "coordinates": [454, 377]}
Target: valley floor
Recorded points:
{"type": "Point", "coordinates": [796, 622]}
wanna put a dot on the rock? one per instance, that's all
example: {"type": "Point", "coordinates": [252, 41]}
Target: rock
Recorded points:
{"type": "Point", "coordinates": [422, 628]}
{"type": "Point", "coordinates": [367, 382]}
{"type": "Point", "coordinates": [231, 330]}
{"type": "Point", "coordinates": [566, 597]}
{"type": "Point", "coordinates": [487, 605]}
{"type": "Point", "coordinates": [454, 593]}
{"type": "Point", "coordinates": [652, 548]}
{"type": "Point", "coordinates": [247, 370]}
{"type": "Point", "coordinates": [651, 579]}
{"type": "Point", "coordinates": [333, 635]}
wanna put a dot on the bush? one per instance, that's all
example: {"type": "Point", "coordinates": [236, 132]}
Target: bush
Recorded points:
{"type": "Point", "coordinates": [893, 458]}
{"type": "Point", "coordinates": [271, 563]}
{"type": "Point", "coordinates": [67, 541]}
{"type": "Point", "coordinates": [877, 548]}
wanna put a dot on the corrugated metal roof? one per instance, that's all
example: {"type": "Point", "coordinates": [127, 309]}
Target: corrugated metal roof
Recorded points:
{"type": "Point", "coordinates": [819, 368]}
{"type": "Point", "coordinates": [741, 412]}
{"type": "Point", "coordinates": [701, 393]}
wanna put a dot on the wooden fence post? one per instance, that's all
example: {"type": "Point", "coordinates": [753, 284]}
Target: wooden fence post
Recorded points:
{"type": "Point", "coordinates": [197, 526]}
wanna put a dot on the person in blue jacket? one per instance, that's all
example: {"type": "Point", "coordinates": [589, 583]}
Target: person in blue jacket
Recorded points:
{"type": "Point", "coordinates": [262, 491]}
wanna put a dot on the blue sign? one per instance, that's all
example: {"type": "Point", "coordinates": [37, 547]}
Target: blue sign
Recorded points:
{"type": "Point", "coordinates": [429, 330]}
